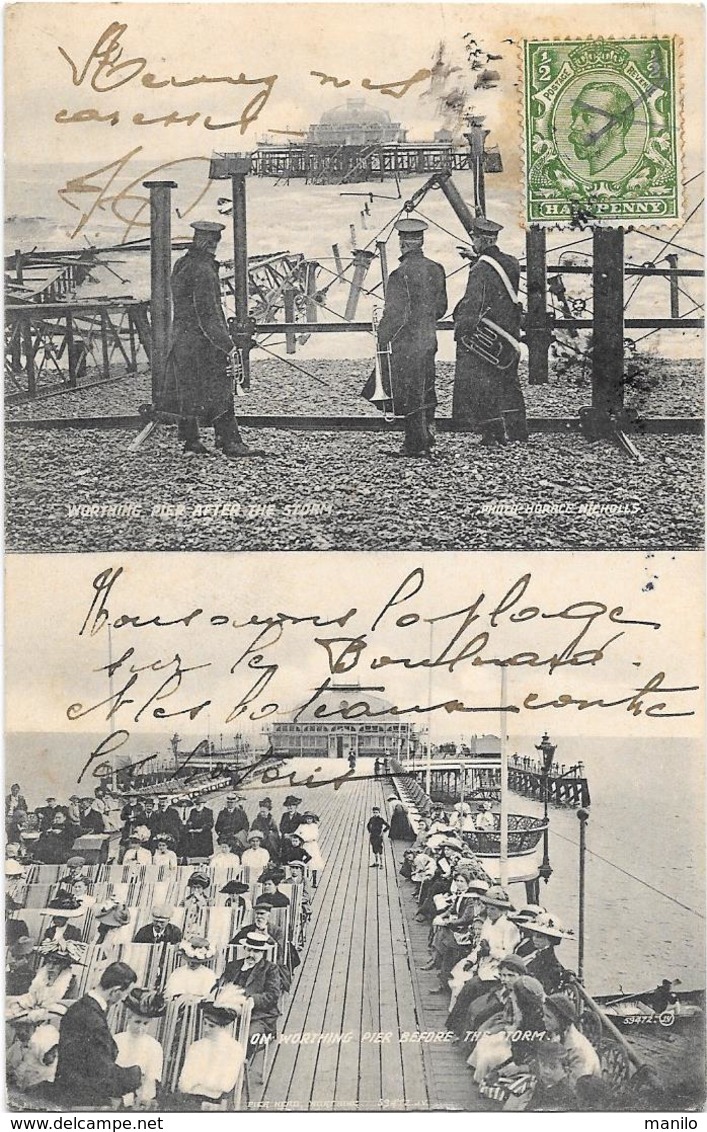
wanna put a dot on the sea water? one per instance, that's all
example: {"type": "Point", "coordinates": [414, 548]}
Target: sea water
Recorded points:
{"type": "Point", "coordinates": [645, 878]}
{"type": "Point", "coordinates": [308, 219]}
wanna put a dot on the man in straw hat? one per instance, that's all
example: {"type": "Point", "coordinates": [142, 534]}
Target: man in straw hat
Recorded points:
{"type": "Point", "coordinates": [487, 393]}
{"type": "Point", "coordinates": [198, 387]}
{"type": "Point", "coordinates": [415, 299]}
{"type": "Point", "coordinates": [255, 977]}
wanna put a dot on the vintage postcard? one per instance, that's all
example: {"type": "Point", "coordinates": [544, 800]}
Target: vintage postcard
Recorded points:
{"type": "Point", "coordinates": [448, 259]}
{"type": "Point", "coordinates": [395, 803]}
{"type": "Point", "coordinates": [408, 832]}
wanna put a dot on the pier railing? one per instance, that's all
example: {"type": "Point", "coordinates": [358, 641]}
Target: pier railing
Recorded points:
{"type": "Point", "coordinates": [618, 1060]}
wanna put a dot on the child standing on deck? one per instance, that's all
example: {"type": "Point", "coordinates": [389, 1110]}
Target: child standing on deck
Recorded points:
{"type": "Point", "coordinates": [376, 827]}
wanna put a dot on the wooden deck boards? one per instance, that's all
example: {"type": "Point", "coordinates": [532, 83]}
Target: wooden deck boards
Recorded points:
{"type": "Point", "coordinates": [354, 979]}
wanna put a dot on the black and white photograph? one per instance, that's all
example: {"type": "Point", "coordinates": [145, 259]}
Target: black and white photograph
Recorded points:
{"type": "Point", "coordinates": [270, 283]}
{"type": "Point", "coordinates": [285, 840]}
{"type": "Point", "coordinates": [354, 563]}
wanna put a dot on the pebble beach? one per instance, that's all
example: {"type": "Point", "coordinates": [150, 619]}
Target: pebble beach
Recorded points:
{"type": "Point", "coordinates": [82, 490]}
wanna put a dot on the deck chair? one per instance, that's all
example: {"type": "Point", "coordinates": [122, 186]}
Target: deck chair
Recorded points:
{"type": "Point", "coordinates": [182, 1026]}
{"type": "Point", "coordinates": [27, 895]}
{"type": "Point", "coordinates": [44, 874]}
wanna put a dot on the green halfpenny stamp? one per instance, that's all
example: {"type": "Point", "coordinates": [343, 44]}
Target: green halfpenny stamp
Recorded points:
{"type": "Point", "coordinates": [601, 122]}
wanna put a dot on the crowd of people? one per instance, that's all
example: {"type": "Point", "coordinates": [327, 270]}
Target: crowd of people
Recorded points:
{"type": "Point", "coordinates": [511, 1006]}
{"type": "Point", "coordinates": [180, 876]}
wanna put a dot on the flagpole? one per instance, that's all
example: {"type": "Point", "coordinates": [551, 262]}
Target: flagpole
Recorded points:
{"type": "Point", "coordinates": [503, 863]}
{"type": "Point", "coordinates": [428, 773]}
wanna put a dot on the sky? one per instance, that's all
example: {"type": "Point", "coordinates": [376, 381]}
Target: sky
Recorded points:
{"type": "Point", "coordinates": [48, 69]}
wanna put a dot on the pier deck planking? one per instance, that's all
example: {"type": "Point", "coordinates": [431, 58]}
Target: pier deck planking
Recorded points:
{"type": "Point", "coordinates": [354, 978]}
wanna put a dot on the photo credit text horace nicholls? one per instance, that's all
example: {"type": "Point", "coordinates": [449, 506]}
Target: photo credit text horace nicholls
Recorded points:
{"type": "Point", "coordinates": [512, 508]}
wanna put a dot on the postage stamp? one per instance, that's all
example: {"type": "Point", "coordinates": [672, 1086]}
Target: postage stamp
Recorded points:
{"type": "Point", "coordinates": [601, 130]}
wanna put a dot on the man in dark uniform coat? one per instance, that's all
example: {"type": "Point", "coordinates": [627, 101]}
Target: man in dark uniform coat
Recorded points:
{"type": "Point", "coordinates": [232, 821]}
{"type": "Point", "coordinates": [165, 819]}
{"type": "Point", "coordinates": [198, 835]}
{"type": "Point", "coordinates": [416, 298]}
{"type": "Point", "coordinates": [132, 815]}
{"type": "Point", "coordinates": [487, 393]}
{"type": "Point", "coordinates": [86, 1072]}
{"type": "Point", "coordinates": [198, 386]}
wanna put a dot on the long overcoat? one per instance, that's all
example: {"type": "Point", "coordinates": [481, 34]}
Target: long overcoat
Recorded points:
{"type": "Point", "coordinates": [483, 392]}
{"type": "Point", "coordinates": [415, 298]}
{"type": "Point", "coordinates": [197, 383]}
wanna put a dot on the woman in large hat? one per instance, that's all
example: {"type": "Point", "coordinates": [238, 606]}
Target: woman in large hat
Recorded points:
{"type": "Point", "coordinates": [291, 818]}
{"type": "Point", "coordinates": [212, 1064]}
{"type": "Point", "coordinates": [256, 855]}
{"type": "Point", "coordinates": [196, 900]}
{"type": "Point", "coordinates": [62, 908]}
{"type": "Point", "coordinates": [271, 880]}
{"type": "Point", "coordinates": [499, 937]}
{"type": "Point", "coordinates": [235, 893]}
{"type": "Point", "coordinates": [137, 1046]}
{"type": "Point", "coordinates": [114, 926]}
{"type": "Point", "coordinates": [51, 983]}
{"type": "Point", "coordinates": [193, 978]}
{"type": "Point", "coordinates": [545, 933]}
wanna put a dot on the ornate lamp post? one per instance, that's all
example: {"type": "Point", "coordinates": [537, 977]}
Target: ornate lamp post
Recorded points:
{"type": "Point", "coordinates": [547, 750]}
